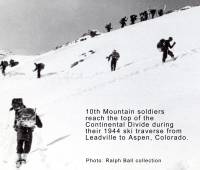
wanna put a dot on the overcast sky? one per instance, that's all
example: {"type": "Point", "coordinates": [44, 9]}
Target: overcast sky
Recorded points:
{"type": "Point", "coordinates": [36, 26]}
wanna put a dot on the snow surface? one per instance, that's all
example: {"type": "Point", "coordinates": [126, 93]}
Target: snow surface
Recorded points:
{"type": "Point", "coordinates": [63, 94]}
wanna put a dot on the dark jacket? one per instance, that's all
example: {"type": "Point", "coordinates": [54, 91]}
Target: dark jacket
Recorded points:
{"type": "Point", "coordinates": [114, 56]}
{"type": "Point", "coordinates": [167, 45]}
{"type": "Point", "coordinates": [38, 122]}
{"type": "Point", "coordinates": [4, 64]}
{"type": "Point", "coordinates": [39, 66]}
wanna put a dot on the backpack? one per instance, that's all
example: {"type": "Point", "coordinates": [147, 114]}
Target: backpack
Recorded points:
{"type": "Point", "coordinates": [41, 66]}
{"type": "Point", "coordinates": [26, 118]}
{"type": "Point", "coordinates": [5, 63]}
{"type": "Point", "coordinates": [160, 44]}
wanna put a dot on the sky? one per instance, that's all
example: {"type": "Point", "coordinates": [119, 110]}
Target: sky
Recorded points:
{"type": "Point", "coordinates": [35, 26]}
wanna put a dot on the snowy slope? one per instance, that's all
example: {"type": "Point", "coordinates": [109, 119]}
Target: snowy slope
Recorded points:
{"type": "Point", "coordinates": [141, 81]}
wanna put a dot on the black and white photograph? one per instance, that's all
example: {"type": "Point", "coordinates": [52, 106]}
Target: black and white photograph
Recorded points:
{"type": "Point", "coordinates": [99, 84]}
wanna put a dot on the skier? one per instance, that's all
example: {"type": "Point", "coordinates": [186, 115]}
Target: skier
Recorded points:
{"type": "Point", "coordinates": [13, 63]}
{"type": "Point", "coordinates": [145, 14]}
{"type": "Point", "coordinates": [142, 16]}
{"type": "Point", "coordinates": [24, 124]}
{"type": "Point", "coordinates": [38, 68]}
{"type": "Point", "coordinates": [152, 12]}
{"type": "Point", "coordinates": [133, 18]}
{"type": "Point", "coordinates": [3, 66]}
{"type": "Point", "coordinates": [165, 46]}
{"type": "Point", "coordinates": [17, 104]}
{"type": "Point", "coordinates": [123, 21]}
{"type": "Point", "coordinates": [108, 27]}
{"type": "Point", "coordinates": [114, 56]}
{"type": "Point", "coordinates": [160, 12]}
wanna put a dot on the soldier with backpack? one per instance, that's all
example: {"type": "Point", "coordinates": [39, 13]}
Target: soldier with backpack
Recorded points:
{"type": "Point", "coordinates": [38, 68]}
{"type": "Point", "coordinates": [24, 124]}
{"type": "Point", "coordinates": [3, 66]}
{"type": "Point", "coordinates": [165, 46]}
{"type": "Point", "coordinates": [133, 19]}
{"type": "Point", "coordinates": [123, 21]}
{"type": "Point", "coordinates": [114, 56]}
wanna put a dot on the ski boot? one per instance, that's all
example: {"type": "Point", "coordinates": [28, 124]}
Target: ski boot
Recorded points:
{"type": "Point", "coordinates": [18, 161]}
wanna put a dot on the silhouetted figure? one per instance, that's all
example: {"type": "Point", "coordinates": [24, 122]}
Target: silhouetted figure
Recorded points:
{"type": "Point", "coordinates": [3, 66]}
{"type": "Point", "coordinates": [160, 12]}
{"type": "Point", "coordinates": [123, 21]}
{"type": "Point", "coordinates": [114, 56]}
{"type": "Point", "coordinates": [38, 68]}
{"type": "Point", "coordinates": [152, 12]}
{"type": "Point", "coordinates": [93, 33]}
{"type": "Point", "coordinates": [145, 14]}
{"type": "Point", "coordinates": [108, 27]}
{"type": "Point", "coordinates": [165, 46]}
{"type": "Point", "coordinates": [133, 19]}
{"type": "Point", "coordinates": [13, 63]}
{"type": "Point", "coordinates": [141, 16]}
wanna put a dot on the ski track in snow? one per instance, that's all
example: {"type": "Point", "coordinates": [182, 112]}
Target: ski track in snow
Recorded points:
{"type": "Point", "coordinates": [51, 143]}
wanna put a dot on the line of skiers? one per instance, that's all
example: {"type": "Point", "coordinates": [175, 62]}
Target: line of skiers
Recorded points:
{"type": "Point", "coordinates": [25, 121]}
{"type": "Point", "coordinates": [143, 16]}
{"type": "Point", "coordinates": [26, 118]}
{"type": "Point", "coordinates": [4, 64]}
{"type": "Point", "coordinates": [164, 45]}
